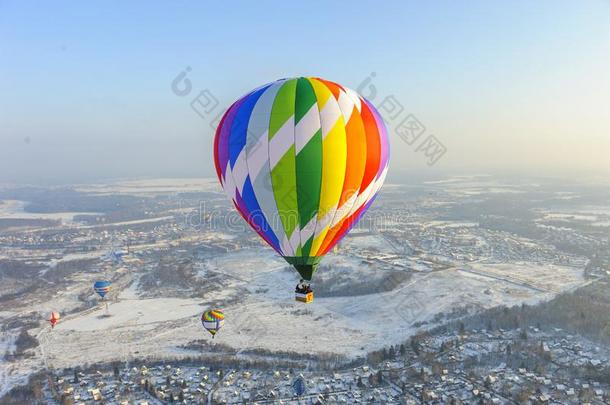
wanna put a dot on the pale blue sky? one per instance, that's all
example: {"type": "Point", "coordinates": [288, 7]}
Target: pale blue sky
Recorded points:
{"type": "Point", "coordinates": [85, 87]}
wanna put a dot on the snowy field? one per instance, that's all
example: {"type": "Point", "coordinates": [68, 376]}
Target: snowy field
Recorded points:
{"type": "Point", "coordinates": [594, 215]}
{"type": "Point", "coordinates": [258, 291]}
{"type": "Point", "coordinates": [142, 313]}
{"type": "Point", "coordinates": [15, 209]}
{"type": "Point", "coordinates": [261, 312]}
{"type": "Point", "coordinates": [152, 186]}
{"type": "Point", "coordinates": [549, 278]}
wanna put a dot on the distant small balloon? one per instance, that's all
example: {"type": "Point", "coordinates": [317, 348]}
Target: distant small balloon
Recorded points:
{"type": "Point", "coordinates": [53, 319]}
{"type": "Point", "coordinates": [213, 320]}
{"type": "Point", "coordinates": [102, 287]}
{"type": "Point", "coordinates": [299, 386]}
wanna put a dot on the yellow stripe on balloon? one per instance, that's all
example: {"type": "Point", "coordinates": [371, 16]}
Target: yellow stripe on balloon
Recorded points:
{"type": "Point", "coordinates": [356, 160]}
{"type": "Point", "coordinates": [334, 159]}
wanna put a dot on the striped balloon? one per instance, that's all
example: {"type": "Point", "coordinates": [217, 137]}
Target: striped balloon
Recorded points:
{"type": "Point", "coordinates": [301, 159]}
{"type": "Point", "coordinates": [101, 288]}
{"type": "Point", "coordinates": [213, 320]}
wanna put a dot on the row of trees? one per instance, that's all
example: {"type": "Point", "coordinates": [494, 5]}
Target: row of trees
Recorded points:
{"type": "Point", "coordinates": [29, 393]}
{"type": "Point", "coordinates": [585, 311]}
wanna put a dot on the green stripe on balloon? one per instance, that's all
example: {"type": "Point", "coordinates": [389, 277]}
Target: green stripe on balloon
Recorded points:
{"type": "Point", "coordinates": [308, 159]}
{"type": "Point", "coordinates": [284, 189]}
{"type": "Point", "coordinates": [283, 176]}
{"type": "Point", "coordinates": [283, 107]}
{"type": "Point", "coordinates": [306, 266]}
{"type": "Point", "coordinates": [305, 99]}
{"type": "Point", "coordinates": [307, 246]}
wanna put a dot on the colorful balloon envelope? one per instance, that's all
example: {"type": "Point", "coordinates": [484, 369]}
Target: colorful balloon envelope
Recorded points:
{"type": "Point", "coordinates": [102, 288]}
{"type": "Point", "coordinates": [213, 320]}
{"type": "Point", "coordinates": [301, 159]}
{"type": "Point", "coordinates": [53, 318]}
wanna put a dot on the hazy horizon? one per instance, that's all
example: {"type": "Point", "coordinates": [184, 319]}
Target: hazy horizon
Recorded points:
{"type": "Point", "coordinates": [504, 87]}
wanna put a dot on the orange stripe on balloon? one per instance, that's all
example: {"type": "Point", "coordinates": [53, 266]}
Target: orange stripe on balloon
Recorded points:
{"type": "Point", "coordinates": [356, 163]}
{"type": "Point", "coordinates": [343, 227]}
{"type": "Point", "coordinates": [373, 159]}
{"type": "Point", "coordinates": [332, 86]}
{"type": "Point", "coordinates": [373, 147]}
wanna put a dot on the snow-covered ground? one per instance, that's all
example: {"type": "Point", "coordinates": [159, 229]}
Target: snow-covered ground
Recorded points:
{"type": "Point", "coordinates": [15, 209]}
{"type": "Point", "coordinates": [548, 277]}
{"type": "Point", "coordinates": [594, 214]}
{"type": "Point", "coordinates": [7, 377]}
{"type": "Point", "coordinates": [143, 313]}
{"type": "Point", "coordinates": [153, 186]}
{"type": "Point", "coordinates": [258, 297]}
{"type": "Point", "coordinates": [266, 315]}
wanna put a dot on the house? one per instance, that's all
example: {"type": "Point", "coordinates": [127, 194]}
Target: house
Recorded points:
{"type": "Point", "coordinates": [95, 394]}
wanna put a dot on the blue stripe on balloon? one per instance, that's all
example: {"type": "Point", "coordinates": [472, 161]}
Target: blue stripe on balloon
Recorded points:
{"type": "Point", "coordinates": [241, 206]}
{"type": "Point", "coordinates": [246, 202]}
{"type": "Point", "coordinates": [239, 125]}
{"type": "Point", "coordinates": [255, 214]}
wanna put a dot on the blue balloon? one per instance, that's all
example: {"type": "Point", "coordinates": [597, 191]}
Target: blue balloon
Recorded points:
{"type": "Point", "coordinates": [101, 287]}
{"type": "Point", "coordinates": [299, 386]}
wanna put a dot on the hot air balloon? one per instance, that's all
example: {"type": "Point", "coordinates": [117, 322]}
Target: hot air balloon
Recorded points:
{"type": "Point", "coordinates": [301, 159]}
{"type": "Point", "coordinates": [102, 288]}
{"type": "Point", "coordinates": [213, 320]}
{"type": "Point", "coordinates": [299, 386]}
{"type": "Point", "coordinates": [53, 319]}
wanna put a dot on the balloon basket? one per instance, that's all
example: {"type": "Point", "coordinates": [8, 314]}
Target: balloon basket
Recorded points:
{"type": "Point", "coordinates": [304, 298]}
